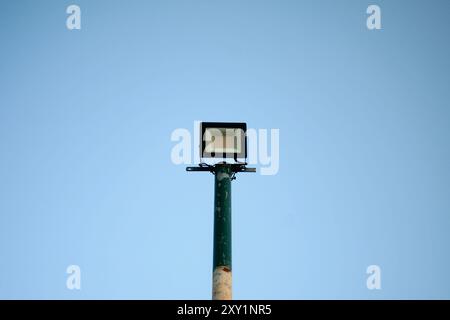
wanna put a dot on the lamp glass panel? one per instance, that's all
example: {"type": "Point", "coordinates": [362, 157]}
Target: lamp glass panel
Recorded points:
{"type": "Point", "coordinates": [223, 140]}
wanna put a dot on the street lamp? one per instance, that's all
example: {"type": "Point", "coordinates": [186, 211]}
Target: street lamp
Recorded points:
{"type": "Point", "coordinates": [223, 140]}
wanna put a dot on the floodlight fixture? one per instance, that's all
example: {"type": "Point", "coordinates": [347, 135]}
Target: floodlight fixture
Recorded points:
{"type": "Point", "coordinates": [223, 140]}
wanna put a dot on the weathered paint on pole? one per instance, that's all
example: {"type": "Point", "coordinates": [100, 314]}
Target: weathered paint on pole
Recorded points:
{"type": "Point", "coordinates": [222, 280]}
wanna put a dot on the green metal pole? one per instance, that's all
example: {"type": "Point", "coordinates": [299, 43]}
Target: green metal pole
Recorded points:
{"type": "Point", "coordinates": [222, 280]}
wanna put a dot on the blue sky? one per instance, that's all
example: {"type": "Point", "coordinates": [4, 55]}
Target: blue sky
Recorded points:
{"type": "Point", "coordinates": [86, 176]}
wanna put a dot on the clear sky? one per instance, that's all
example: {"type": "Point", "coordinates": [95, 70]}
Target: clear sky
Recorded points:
{"type": "Point", "coordinates": [86, 176]}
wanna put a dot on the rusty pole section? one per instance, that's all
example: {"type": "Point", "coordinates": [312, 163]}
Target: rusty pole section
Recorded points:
{"type": "Point", "coordinates": [222, 284]}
